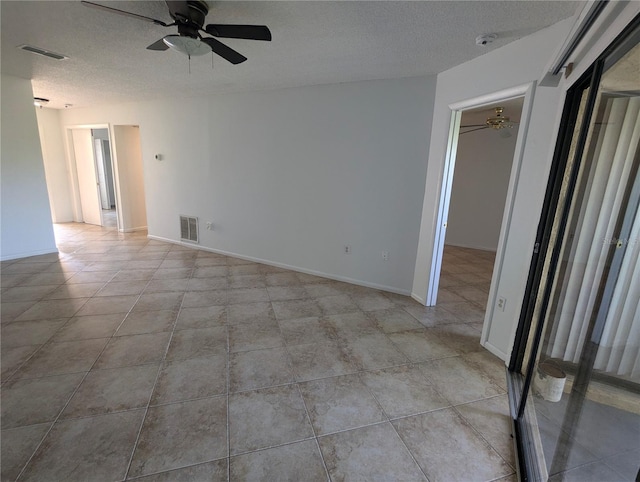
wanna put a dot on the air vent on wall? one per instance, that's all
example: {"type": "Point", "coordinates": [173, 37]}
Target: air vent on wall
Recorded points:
{"type": "Point", "coordinates": [189, 228]}
{"type": "Point", "coordinates": [43, 52]}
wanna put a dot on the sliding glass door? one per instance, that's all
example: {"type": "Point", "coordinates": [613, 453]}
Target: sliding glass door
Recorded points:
{"type": "Point", "coordinates": [575, 369]}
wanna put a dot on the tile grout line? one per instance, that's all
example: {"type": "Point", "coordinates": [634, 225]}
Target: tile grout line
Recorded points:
{"type": "Point", "coordinates": [389, 421]}
{"type": "Point", "coordinates": [269, 447]}
{"type": "Point", "coordinates": [74, 391]}
{"type": "Point", "coordinates": [482, 437]}
{"type": "Point", "coordinates": [295, 381]}
{"type": "Point", "coordinates": [409, 451]}
{"type": "Point", "coordinates": [50, 339]}
{"type": "Point", "coordinates": [144, 476]}
{"type": "Point", "coordinates": [68, 400]}
{"type": "Point", "coordinates": [313, 431]}
{"type": "Point", "coordinates": [160, 367]}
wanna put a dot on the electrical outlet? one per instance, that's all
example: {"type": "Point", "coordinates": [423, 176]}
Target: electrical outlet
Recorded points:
{"type": "Point", "coordinates": [347, 249]}
{"type": "Point", "coordinates": [385, 255]}
{"type": "Point", "coordinates": [210, 226]}
{"type": "Point", "coordinates": [502, 303]}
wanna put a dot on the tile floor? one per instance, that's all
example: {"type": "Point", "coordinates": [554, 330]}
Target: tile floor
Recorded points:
{"type": "Point", "coordinates": [126, 358]}
{"type": "Point", "coordinates": [605, 445]}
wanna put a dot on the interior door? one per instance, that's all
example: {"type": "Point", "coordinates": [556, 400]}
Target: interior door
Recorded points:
{"type": "Point", "coordinates": [102, 178]}
{"type": "Point", "coordinates": [87, 179]}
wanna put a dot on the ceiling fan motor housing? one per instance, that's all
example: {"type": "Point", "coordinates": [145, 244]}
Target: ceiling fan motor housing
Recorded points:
{"type": "Point", "coordinates": [188, 30]}
{"type": "Point", "coordinates": [189, 16]}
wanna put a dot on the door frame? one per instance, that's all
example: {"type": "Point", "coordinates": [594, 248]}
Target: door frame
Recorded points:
{"type": "Point", "coordinates": [527, 91]}
{"type": "Point", "coordinates": [73, 172]}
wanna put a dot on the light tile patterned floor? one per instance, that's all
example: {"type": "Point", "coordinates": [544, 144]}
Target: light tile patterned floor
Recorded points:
{"type": "Point", "coordinates": [127, 358]}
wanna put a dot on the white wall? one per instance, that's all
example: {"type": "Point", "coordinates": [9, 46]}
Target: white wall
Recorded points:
{"type": "Point", "coordinates": [55, 165]}
{"type": "Point", "coordinates": [291, 176]}
{"type": "Point", "coordinates": [480, 182]}
{"type": "Point", "coordinates": [129, 167]}
{"type": "Point", "coordinates": [26, 215]}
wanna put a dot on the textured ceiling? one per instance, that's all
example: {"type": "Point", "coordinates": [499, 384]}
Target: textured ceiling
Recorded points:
{"type": "Point", "coordinates": [313, 43]}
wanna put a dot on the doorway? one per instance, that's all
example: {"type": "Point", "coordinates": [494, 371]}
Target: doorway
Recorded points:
{"type": "Point", "coordinates": [526, 93]}
{"type": "Point", "coordinates": [107, 176]}
{"type": "Point", "coordinates": [104, 169]}
{"type": "Point", "coordinates": [89, 186]}
{"type": "Point", "coordinates": [485, 152]}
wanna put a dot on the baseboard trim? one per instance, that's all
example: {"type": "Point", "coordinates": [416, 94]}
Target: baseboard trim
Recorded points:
{"type": "Point", "coordinates": [496, 351]}
{"type": "Point", "coordinates": [28, 254]}
{"type": "Point", "coordinates": [321, 274]}
{"type": "Point", "coordinates": [419, 299]}
{"type": "Point", "coordinates": [133, 230]}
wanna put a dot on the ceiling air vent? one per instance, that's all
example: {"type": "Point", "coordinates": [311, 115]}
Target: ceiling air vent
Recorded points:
{"type": "Point", "coordinates": [189, 229]}
{"type": "Point", "coordinates": [45, 53]}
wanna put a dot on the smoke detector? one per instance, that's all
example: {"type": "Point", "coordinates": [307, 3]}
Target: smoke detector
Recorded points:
{"type": "Point", "coordinates": [486, 39]}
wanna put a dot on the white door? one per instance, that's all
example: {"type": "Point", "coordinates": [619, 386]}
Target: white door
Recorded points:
{"type": "Point", "coordinates": [102, 178]}
{"type": "Point", "coordinates": [87, 179]}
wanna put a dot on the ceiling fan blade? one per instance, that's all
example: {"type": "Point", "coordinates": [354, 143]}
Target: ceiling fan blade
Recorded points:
{"type": "Point", "coordinates": [476, 129]}
{"type": "Point", "coordinates": [249, 32]}
{"type": "Point", "coordinates": [159, 45]}
{"type": "Point", "coordinates": [223, 51]}
{"type": "Point", "coordinates": [122, 12]}
{"type": "Point", "coordinates": [474, 125]}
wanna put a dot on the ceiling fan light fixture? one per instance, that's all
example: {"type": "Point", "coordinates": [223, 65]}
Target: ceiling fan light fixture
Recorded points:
{"type": "Point", "coordinates": [40, 101]}
{"type": "Point", "coordinates": [187, 45]}
{"type": "Point", "coordinates": [499, 121]}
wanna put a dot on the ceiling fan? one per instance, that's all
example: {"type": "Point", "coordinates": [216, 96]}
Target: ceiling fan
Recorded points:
{"type": "Point", "coordinates": [497, 122]}
{"type": "Point", "coordinates": [189, 16]}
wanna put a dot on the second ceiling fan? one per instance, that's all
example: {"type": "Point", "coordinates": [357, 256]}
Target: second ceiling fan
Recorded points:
{"type": "Point", "coordinates": [189, 17]}
{"type": "Point", "coordinates": [497, 122]}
